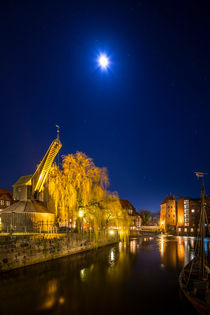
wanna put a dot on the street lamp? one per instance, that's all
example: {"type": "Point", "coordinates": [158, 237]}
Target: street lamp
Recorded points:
{"type": "Point", "coordinates": [81, 213]}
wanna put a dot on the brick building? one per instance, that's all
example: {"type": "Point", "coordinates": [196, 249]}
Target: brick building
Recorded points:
{"type": "Point", "coordinates": [188, 212]}
{"type": "Point", "coordinates": [168, 215]}
{"type": "Point", "coordinates": [6, 198]}
{"type": "Point", "coordinates": [182, 215]}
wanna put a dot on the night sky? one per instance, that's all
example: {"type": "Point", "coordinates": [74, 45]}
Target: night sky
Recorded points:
{"type": "Point", "coordinates": [147, 118]}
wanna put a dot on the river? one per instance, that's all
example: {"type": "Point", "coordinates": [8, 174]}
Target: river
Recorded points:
{"type": "Point", "coordinates": [140, 277]}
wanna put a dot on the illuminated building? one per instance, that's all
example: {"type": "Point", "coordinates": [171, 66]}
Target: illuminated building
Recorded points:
{"type": "Point", "coordinates": [136, 219]}
{"type": "Point", "coordinates": [29, 213]}
{"type": "Point", "coordinates": [6, 198]}
{"type": "Point", "coordinates": [168, 213]}
{"type": "Point", "coordinates": [188, 212]}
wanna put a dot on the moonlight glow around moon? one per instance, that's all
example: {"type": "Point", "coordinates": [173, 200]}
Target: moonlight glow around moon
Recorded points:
{"type": "Point", "coordinates": [103, 61]}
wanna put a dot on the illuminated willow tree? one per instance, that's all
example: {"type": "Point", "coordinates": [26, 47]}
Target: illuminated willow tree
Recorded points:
{"type": "Point", "coordinates": [79, 188]}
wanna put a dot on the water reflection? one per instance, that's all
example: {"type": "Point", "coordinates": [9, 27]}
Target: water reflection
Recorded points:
{"type": "Point", "coordinates": [50, 294]}
{"type": "Point", "coordinates": [133, 245]}
{"type": "Point", "coordinates": [178, 251]}
{"type": "Point", "coordinates": [105, 281]}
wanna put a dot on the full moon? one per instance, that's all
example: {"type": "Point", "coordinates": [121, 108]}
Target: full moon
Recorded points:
{"type": "Point", "coordinates": [103, 61]}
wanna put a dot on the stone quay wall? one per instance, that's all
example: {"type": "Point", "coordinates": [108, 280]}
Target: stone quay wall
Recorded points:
{"type": "Point", "coordinates": [23, 250]}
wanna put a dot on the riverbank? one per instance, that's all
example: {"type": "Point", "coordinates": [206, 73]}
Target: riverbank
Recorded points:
{"type": "Point", "coordinates": [104, 281]}
{"type": "Point", "coordinates": [20, 250]}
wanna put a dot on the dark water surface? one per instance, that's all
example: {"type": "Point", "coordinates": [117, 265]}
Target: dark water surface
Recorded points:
{"type": "Point", "coordinates": [140, 277]}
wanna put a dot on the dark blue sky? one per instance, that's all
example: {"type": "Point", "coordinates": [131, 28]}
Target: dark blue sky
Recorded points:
{"type": "Point", "coordinates": [147, 119]}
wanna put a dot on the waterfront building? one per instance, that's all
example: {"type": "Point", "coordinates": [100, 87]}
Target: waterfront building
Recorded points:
{"type": "Point", "coordinates": [188, 214]}
{"type": "Point", "coordinates": [134, 215]}
{"type": "Point", "coordinates": [28, 213]}
{"type": "Point", "coordinates": [182, 215]}
{"type": "Point", "coordinates": [168, 214]}
{"type": "Point", "coordinates": [6, 198]}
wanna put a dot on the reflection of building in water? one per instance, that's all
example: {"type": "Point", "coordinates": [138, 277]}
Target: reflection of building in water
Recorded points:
{"type": "Point", "coordinates": [180, 251]}
{"type": "Point", "coordinates": [161, 243]}
{"type": "Point", "coordinates": [50, 294]}
{"type": "Point", "coordinates": [85, 273]}
{"type": "Point", "coordinates": [133, 246]}
{"type": "Point", "coordinates": [176, 253]}
{"type": "Point", "coordinates": [112, 255]}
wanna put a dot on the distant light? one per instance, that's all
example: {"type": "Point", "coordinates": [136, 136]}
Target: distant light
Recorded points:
{"type": "Point", "coordinates": [111, 232]}
{"type": "Point", "coordinates": [103, 61]}
{"type": "Point", "coordinates": [61, 300]}
{"type": "Point", "coordinates": [81, 213]}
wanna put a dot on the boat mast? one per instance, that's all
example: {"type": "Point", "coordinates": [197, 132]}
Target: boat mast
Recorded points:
{"type": "Point", "coordinates": [202, 223]}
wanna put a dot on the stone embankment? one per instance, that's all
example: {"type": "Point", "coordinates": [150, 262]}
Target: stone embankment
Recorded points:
{"type": "Point", "coordinates": [22, 250]}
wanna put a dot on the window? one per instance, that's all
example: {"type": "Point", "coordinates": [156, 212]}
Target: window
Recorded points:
{"type": "Point", "coordinates": [7, 203]}
{"type": "Point", "coordinates": [191, 229]}
{"type": "Point", "coordinates": [180, 229]}
{"type": "Point", "coordinates": [1, 202]}
{"type": "Point", "coordinates": [186, 212]}
{"type": "Point", "coordinates": [185, 229]}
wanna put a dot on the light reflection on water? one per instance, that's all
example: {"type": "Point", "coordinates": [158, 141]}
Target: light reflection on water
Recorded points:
{"type": "Point", "coordinates": [178, 251]}
{"type": "Point", "coordinates": [105, 281]}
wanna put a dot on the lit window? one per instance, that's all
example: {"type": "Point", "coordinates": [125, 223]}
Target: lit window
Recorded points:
{"type": "Point", "coordinates": [185, 229]}
{"type": "Point", "coordinates": [180, 229]}
{"type": "Point", "coordinates": [1, 202]}
{"type": "Point", "coordinates": [7, 203]}
{"type": "Point", "coordinates": [191, 229]}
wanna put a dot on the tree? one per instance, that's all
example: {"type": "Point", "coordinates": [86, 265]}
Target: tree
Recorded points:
{"type": "Point", "coordinates": [78, 192]}
{"type": "Point", "coordinates": [145, 215]}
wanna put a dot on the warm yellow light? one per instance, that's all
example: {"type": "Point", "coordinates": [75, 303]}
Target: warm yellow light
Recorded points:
{"type": "Point", "coordinates": [111, 232]}
{"type": "Point", "coordinates": [81, 213]}
{"type": "Point", "coordinates": [61, 300]}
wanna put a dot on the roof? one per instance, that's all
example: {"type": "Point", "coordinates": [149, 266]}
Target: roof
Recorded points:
{"type": "Point", "coordinates": [26, 207]}
{"type": "Point", "coordinates": [170, 197]}
{"type": "Point", "coordinates": [5, 192]}
{"type": "Point", "coordinates": [23, 180]}
{"type": "Point", "coordinates": [127, 205]}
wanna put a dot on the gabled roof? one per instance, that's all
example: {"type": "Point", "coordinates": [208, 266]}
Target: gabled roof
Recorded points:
{"type": "Point", "coordinates": [170, 197]}
{"type": "Point", "coordinates": [23, 180]}
{"type": "Point", "coordinates": [5, 192]}
{"type": "Point", "coordinates": [26, 206]}
{"type": "Point", "coordinates": [127, 205]}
